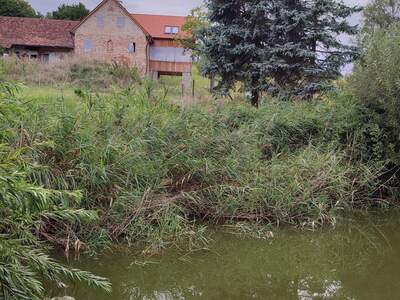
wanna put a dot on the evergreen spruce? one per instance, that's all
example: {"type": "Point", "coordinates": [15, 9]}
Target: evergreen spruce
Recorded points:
{"type": "Point", "coordinates": [285, 47]}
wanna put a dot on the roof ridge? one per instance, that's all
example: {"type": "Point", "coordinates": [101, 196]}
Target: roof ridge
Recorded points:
{"type": "Point", "coordinates": [39, 19]}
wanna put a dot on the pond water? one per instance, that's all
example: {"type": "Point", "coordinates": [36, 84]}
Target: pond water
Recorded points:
{"type": "Point", "coordinates": [359, 259]}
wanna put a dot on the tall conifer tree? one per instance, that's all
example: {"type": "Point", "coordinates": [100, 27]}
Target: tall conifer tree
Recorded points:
{"type": "Point", "coordinates": [285, 47]}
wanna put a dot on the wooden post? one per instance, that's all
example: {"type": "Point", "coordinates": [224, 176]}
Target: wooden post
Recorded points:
{"type": "Point", "coordinates": [193, 87]}
{"type": "Point", "coordinates": [186, 82]}
{"type": "Point", "coordinates": [212, 83]}
{"type": "Point", "coordinates": [182, 96]}
{"type": "Point", "coordinates": [155, 76]}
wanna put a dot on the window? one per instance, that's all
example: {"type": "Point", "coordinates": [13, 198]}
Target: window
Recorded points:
{"type": "Point", "coordinates": [45, 58]}
{"type": "Point", "coordinates": [120, 21]}
{"type": "Point", "coordinates": [110, 46]}
{"type": "Point", "coordinates": [87, 46]}
{"type": "Point", "coordinates": [168, 29]}
{"type": "Point", "coordinates": [100, 21]}
{"type": "Point", "coordinates": [175, 30]}
{"type": "Point", "coordinates": [131, 47]}
{"type": "Point", "coordinates": [171, 30]}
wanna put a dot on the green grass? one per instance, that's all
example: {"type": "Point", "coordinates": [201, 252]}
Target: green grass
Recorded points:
{"type": "Point", "coordinates": [47, 93]}
{"type": "Point", "coordinates": [172, 85]}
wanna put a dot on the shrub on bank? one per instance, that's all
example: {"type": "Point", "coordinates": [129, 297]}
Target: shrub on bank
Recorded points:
{"type": "Point", "coordinates": [29, 213]}
{"type": "Point", "coordinates": [375, 84]}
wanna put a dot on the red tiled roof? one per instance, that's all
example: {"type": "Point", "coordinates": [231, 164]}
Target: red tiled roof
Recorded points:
{"type": "Point", "coordinates": [155, 24]}
{"type": "Point", "coordinates": [36, 32]}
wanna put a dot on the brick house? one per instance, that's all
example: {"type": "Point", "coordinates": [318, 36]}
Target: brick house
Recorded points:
{"type": "Point", "coordinates": [109, 33]}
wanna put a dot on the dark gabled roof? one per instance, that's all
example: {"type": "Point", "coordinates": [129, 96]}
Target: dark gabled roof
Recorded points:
{"type": "Point", "coordinates": [36, 32]}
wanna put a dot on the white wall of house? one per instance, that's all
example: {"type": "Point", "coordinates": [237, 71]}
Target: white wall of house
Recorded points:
{"type": "Point", "coordinates": [170, 54]}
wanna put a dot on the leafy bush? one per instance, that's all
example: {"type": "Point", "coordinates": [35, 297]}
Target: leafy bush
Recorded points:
{"type": "Point", "coordinates": [375, 84]}
{"type": "Point", "coordinates": [29, 212]}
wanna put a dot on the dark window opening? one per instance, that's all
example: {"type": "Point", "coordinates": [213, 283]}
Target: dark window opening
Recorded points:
{"type": "Point", "coordinates": [110, 46]}
{"type": "Point", "coordinates": [131, 47]}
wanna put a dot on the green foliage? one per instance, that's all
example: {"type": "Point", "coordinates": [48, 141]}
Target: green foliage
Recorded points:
{"type": "Point", "coordinates": [375, 83]}
{"type": "Point", "coordinates": [16, 8]}
{"type": "Point", "coordinates": [196, 21]}
{"type": "Point", "coordinates": [29, 211]}
{"type": "Point", "coordinates": [156, 171]}
{"type": "Point", "coordinates": [287, 47]}
{"type": "Point", "coordinates": [381, 14]}
{"type": "Point", "coordinates": [73, 12]}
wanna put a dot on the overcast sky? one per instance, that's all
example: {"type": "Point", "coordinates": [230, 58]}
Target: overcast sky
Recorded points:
{"type": "Point", "coordinates": [167, 7]}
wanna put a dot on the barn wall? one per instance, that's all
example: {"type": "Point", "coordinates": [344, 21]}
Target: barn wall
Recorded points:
{"type": "Point", "coordinates": [109, 41]}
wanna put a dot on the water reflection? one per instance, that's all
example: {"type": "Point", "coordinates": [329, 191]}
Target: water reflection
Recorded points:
{"type": "Point", "coordinates": [358, 260]}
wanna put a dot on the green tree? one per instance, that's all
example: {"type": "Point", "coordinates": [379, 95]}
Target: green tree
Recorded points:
{"type": "Point", "coordinates": [74, 12]}
{"type": "Point", "coordinates": [16, 8]}
{"type": "Point", "coordinates": [197, 20]}
{"type": "Point", "coordinates": [381, 14]}
{"type": "Point", "coordinates": [285, 47]}
{"type": "Point", "coordinates": [307, 54]}
{"type": "Point", "coordinates": [375, 83]}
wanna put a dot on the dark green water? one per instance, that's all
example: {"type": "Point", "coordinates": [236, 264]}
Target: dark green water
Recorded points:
{"type": "Point", "coordinates": [356, 260]}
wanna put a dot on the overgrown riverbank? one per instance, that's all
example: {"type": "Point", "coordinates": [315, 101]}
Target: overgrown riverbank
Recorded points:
{"type": "Point", "coordinates": [125, 165]}
{"type": "Point", "coordinates": [154, 170]}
